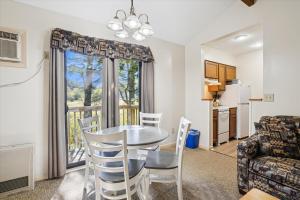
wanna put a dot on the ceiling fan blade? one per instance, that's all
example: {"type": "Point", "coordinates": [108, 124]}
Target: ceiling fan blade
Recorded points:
{"type": "Point", "coordinates": [249, 2]}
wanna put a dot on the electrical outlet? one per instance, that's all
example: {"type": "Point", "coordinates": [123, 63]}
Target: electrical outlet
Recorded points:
{"type": "Point", "coordinates": [46, 55]}
{"type": "Point", "coordinates": [173, 130]}
{"type": "Point", "coordinates": [269, 97]}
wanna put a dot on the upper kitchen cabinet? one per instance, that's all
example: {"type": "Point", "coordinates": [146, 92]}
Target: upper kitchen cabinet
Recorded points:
{"type": "Point", "coordinates": [211, 70]}
{"type": "Point", "coordinates": [222, 77]}
{"type": "Point", "coordinates": [230, 73]}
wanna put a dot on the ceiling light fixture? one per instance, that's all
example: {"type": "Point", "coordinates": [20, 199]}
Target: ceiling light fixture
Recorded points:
{"type": "Point", "coordinates": [132, 24]}
{"type": "Point", "coordinates": [241, 37]}
{"type": "Point", "coordinates": [257, 45]}
{"type": "Point", "coordinates": [121, 34]}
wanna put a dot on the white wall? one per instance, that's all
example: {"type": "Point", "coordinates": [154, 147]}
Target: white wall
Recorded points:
{"type": "Point", "coordinates": [250, 71]}
{"type": "Point", "coordinates": [219, 56]}
{"type": "Point", "coordinates": [23, 116]}
{"type": "Point", "coordinates": [280, 21]}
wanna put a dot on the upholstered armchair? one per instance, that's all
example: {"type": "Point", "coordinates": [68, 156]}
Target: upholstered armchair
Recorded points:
{"type": "Point", "coordinates": [270, 159]}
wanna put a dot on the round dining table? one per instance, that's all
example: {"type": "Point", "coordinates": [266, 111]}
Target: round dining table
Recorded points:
{"type": "Point", "coordinates": [140, 136]}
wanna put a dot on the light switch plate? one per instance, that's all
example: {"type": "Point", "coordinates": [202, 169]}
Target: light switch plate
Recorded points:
{"type": "Point", "coordinates": [269, 97]}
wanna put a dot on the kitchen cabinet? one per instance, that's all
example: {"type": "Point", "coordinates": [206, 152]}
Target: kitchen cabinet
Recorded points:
{"type": "Point", "coordinates": [215, 127]}
{"type": "Point", "coordinates": [213, 88]}
{"type": "Point", "coordinates": [232, 122]}
{"type": "Point", "coordinates": [222, 77]}
{"type": "Point", "coordinates": [211, 70]}
{"type": "Point", "coordinates": [230, 73]}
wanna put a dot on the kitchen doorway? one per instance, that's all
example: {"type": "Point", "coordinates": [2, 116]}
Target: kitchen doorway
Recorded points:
{"type": "Point", "coordinates": [233, 77]}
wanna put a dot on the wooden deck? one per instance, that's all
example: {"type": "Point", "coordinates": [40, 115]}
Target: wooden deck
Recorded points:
{"type": "Point", "coordinates": [129, 115]}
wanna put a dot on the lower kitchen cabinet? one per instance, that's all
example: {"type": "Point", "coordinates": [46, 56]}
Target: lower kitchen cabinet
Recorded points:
{"type": "Point", "coordinates": [215, 127]}
{"type": "Point", "coordinates": [232, 122]}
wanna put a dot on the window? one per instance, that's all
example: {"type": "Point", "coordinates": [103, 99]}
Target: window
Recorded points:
{"type": "Point", "coordinates": [83, 78]}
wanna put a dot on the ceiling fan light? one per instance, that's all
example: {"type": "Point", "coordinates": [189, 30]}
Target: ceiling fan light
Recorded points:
{"type": "Point", "coordinates": [137, 36]}
{"type": "Point", "coordinates": [132, 22]}
{"type": "Point", "coordinates": [121, 34]}
{"type": "Point", "coordinates": [115, 24]}
{"type": "Point", "coordinates": [146, 30]}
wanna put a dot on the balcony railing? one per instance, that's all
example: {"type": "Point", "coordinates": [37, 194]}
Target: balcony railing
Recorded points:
{"type": "Point", "coordinates": [129, 115]}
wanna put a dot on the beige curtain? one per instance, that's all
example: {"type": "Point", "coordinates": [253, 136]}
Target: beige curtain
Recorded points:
{"type": "Point", "coordinates": [110, 92]}
{"type": "Point", "coordinates": [147, 87]}
{"type": "Point", "coordinates": [56, 118]}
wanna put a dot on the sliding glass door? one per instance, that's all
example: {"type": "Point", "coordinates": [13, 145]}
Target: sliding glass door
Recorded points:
{"type": "Point", "coordinates": [83, 78]}
{"type": "Point", "coordinates": [84, 81]}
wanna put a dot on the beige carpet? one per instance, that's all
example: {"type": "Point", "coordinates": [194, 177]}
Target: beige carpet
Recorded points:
{"type": "Point", "coordinates": [206, 175]}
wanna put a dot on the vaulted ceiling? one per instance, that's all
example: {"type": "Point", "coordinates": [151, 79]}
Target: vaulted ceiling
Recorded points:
{"type": "Point", "coordinates": [173, 20]}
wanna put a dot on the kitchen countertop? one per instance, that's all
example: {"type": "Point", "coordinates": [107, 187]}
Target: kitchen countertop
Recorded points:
{"type": "Point", "coordinates": [223, 107]}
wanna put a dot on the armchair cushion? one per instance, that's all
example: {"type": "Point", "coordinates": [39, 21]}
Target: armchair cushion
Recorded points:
{"type": "Point", "coordinates": [285, 171]}
{"type": "Point", "coordinates": [279, 144]}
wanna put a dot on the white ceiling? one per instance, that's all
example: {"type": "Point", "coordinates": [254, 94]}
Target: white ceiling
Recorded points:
{"type": "Point", "coordinates": [230, 45]}
{"type": "Point", "coordinates": [173, 20]}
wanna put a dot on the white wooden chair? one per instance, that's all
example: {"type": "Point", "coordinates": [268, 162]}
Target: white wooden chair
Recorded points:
{"type": "Point", "coordinates": [166, 167]}
{"type": "Point", "coordinates": [115, 177]}
{"type": "Point", "coordinates": [150, 119]}
{"type": "Point", "coordinates": [87, 125]}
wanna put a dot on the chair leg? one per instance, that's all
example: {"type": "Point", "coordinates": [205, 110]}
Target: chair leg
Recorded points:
{"type": "Point", "coordinates": [97, 190]}
{"type": "Point", "coordinates": [147, 185]}
{"type": "Point", "coordinates": [140, 193]}
{"type": "Point", "coordinates": [179, 189]}
{"type": "Point", "coordinates": [86, 174]}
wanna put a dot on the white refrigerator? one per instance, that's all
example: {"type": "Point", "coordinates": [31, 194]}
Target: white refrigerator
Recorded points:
{"type": "Point", "coordinates": [238, 95]}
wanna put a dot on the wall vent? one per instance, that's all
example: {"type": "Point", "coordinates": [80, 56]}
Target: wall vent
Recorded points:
{"type": "Point", "coordinates": [16, 168]}
{"type": "Point", "coordinates": [13, 184]}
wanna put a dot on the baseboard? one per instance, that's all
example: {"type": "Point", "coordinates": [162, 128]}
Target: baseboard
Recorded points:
{"type": "Point", "coordinates": [203, 147]}
{"type": "Point", "coordinates": [75, 169]}
{"type": "Point", "coordinates": [40, 178]}
{"type": "Point", "coordinates": [173, 144]}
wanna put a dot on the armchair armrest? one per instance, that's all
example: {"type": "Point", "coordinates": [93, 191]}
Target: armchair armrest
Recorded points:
{"type": "Point", "coordinates": [246, 150]}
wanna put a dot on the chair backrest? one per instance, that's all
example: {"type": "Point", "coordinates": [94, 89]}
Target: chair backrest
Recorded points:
{"type": "Point", "coordinates": [152, 119]}
{"type": "Point", "coordinates": [184, 127]}
{"type": "Point", "coordinates": [279, 123]}
{"type": "Point", "coordinates": [88, 125]}
{"type": "Point", "coordinates": [98, 144]}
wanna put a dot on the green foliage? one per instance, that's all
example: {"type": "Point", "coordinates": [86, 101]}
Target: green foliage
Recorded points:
{"type": "Point", "coordinates": [97, 96]}
{"type": "Point", "coordinates": [75, 94]}
{"type": "Point", "coordinates": [129, 81]}
{"type": "Point", "coordinates": [84, 79]}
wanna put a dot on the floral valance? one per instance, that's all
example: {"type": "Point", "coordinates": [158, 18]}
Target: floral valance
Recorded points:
{"type": "Point", "coordinates": [67, 40]}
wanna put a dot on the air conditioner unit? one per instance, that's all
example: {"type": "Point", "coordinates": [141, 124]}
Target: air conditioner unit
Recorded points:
{"type": "Point", "coordinates": [10, 46]}
{"type": "Point", "coordinates": [16, 169]}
